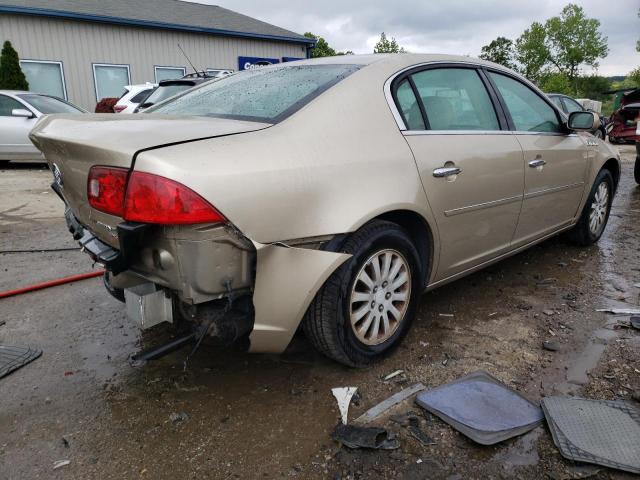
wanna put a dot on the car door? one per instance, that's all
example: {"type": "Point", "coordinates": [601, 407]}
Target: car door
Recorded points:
{"type": "Point", "coordinates": [14, 131]}
{"type": "Point", "coordinates": [471, 169]}
{"type": "Point", "coordinates": [556, 160]}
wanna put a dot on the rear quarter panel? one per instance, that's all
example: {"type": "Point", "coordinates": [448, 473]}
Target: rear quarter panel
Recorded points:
{"type": "Point", "coordinates": [328, 169]}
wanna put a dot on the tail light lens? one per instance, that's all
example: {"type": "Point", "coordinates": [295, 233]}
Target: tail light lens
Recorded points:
{"type": "Point", "coordinates": [119, 108]}
{"type": "Point", "coordinates": [106, 188]}
{"type": "Point", "coordinates": [147, 198]}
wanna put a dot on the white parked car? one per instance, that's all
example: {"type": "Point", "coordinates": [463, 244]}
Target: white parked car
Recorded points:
{"type": "Point", "coordinates": [132, 97]}
{"type": "Point", "coordinates": [19, 112]}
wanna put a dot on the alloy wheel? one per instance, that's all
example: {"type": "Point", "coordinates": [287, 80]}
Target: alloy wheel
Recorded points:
{"type": "Point", "coordinates": [599, 206]}
{"type": "Point", "coordinates": [380, 297]}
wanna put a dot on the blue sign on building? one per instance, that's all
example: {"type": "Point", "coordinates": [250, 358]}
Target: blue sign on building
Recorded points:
{"type": "Point", "coordinates": [248, 63]}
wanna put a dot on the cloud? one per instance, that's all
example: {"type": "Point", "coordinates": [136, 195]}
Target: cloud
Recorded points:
{"type": "Point", "coordinates": [451, 26]}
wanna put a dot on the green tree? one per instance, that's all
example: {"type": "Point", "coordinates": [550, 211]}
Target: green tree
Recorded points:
{"type": "Point", "coordinates": [592, 87]}
{"type": "Point", "coordinates": [322, 48]}
{"type": "Point", "coordinates": [385, 45]}
{"type": "Point", "coordinates": [500, 51]}
{"type": "Point", "coordinates": [553, 82]}
{"type": "Point", "coordinates": [573, 40]}
{"type": "Point", "coordinates": [531, 52]}
{"type": "Point", "coordinates": [11, 75]}
{"type": "Point", "coordinates": [634, 76]}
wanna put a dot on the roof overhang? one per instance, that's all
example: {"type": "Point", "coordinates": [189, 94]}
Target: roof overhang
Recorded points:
{"type": "Point", "coordinates": [46, 12]}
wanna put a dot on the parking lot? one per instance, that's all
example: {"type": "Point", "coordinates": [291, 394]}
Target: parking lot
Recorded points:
{"type": "Point", "coordinates": [234, 415]}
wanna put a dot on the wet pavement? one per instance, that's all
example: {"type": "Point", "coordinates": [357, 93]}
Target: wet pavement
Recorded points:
{"type": "Point", "coordinates": [234, 415]}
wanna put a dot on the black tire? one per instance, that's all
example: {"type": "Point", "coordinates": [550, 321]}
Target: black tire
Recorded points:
{"type": "Point", "coordinates": [581, 234]}
{"type": "Point", "coordinates": [327, 323]}
{"type": "Point", "coordinates": [636, 167]}
{"type": "Point", "coordinates": [117, 293]}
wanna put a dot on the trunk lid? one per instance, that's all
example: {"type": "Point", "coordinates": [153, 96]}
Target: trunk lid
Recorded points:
{"type": "Point", "coordinates": [72, 144]}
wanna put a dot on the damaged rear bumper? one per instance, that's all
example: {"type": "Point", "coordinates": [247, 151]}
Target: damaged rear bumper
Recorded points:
{"type": "Point", "coordinates": [199, 264]}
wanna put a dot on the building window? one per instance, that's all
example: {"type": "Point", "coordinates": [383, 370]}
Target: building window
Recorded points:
{"type": "Point", "coordinates": [169, 73]}
{"type": "Point", "coordinates": [45, 77]}
{"type": "Point", "coordinates": [110, 80]}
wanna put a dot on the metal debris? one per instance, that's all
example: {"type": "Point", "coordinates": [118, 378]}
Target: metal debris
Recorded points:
{"type": "Point", "coordinates": [393, 400]}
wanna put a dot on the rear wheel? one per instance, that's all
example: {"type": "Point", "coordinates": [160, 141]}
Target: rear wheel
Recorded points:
{"type": "Point", "coordinates": [636, 168]}
{"type": "Point", "coordinates": [595, 214]}
{"type": "Point", "coordinates": [366, 307]}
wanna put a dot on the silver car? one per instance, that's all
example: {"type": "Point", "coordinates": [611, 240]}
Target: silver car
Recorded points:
{"type": "Point", "coordinates": [19, 111]}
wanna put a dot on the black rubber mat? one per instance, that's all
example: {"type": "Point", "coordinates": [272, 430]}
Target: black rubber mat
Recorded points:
{"type": "Point", "coordinates": [482, 408]}
{"type": "Point", "coordinates": [604, 432]}
{"type": "Point", "coordinates": [12, 358]}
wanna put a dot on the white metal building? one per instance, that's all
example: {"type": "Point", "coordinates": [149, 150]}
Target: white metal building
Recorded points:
{"type": "Point", "coordinates": [85, 50]}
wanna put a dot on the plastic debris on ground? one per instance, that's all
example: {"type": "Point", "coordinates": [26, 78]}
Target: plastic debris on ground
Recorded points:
{"type": "Point", "coordinates": [603, 432]}
{"type": "Point", "coordinates": [12, 358]}
{"type": "Point", "coordinates": [385, 405]}
{"type": "Point", "coordinates": [354, 436]}
{"type": "Point", "coordinates": [482, 408]}
{"type": "Point", "coordinates": [343, 396]}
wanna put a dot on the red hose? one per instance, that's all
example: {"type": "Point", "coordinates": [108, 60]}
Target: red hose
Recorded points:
{"type": "Point", "coordinates": [51, 283]}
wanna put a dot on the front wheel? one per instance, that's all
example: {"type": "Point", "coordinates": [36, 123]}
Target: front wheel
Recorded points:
{"type": "Point", "coordinates": [636, 168]}
{"type": "Point", "coordinates": [366, 307]}
{"type": "Point", "coordinates": [595, 214]}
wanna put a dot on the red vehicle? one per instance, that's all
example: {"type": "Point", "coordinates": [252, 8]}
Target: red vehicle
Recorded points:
{"type": "Point", "coordinates": [624, 124]}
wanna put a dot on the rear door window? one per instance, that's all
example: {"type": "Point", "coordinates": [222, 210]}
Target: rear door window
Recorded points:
{"type": "Point", "coordinates": [529, 112]}
{"type": "Point", "coordinates": [455, 99]}
{"type": "Point", "coordinates": [409, 106]}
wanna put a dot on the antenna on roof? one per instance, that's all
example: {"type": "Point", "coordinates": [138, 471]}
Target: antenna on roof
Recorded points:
{"type": "Point", "coordinates": [188, 60]}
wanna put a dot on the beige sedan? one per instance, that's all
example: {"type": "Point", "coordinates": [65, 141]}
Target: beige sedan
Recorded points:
{"type": "Point", "coordinates": [324, 194]}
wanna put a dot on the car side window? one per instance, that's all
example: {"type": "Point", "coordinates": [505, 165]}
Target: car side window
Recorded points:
{"type": "Point", "coordinates": [529, 112]}
{"type": "Point", "coordinates": [455, 99]}
{"type": "Point", "coordinates": [571, 105]}
{"type": "Point", "coordinates": [7, 104]}
{"type": "Point", "coordinates": [408, 104]}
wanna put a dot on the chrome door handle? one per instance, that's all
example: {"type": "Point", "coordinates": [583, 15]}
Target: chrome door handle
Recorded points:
{"type": "Point", "coordinates": [538, 162]}
{"type": "Point", "coordinates": [446, 171]}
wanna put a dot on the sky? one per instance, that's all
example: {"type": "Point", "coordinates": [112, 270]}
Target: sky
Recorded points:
{"type": "Point", "coordinates": [442, 26]}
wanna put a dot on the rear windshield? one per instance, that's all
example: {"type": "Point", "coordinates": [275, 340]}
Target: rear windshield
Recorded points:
{"type": "Point", "coordinates": [46, 104]}
{"type": "Point", "coordinates": [261, 95]}
{"type": "Point", "coordinates": [165, 91]}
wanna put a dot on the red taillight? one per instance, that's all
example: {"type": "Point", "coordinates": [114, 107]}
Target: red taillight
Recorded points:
{"type": "Point", "coordinates": [119, 108]}
{"type": "Point", "coordinates": [106, 188]}
{"type": "Point", "coordinates": [155, 199]}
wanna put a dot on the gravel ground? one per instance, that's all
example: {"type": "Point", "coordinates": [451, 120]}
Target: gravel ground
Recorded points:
{"type": "Point", "coordinates": [232, 415]}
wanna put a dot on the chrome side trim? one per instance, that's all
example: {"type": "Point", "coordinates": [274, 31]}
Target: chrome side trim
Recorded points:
{"type": "Point", "coordinates": [546, 191]}
{"type": "Point", "coordinates": [413, 133]}
{"type": "Point", "coordinates": [481, 206]}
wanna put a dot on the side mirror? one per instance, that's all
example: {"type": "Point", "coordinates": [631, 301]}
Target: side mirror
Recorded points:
{"type": "Point", "coordinates": [583, 121]}
{"type": "Point", "coordinates": [22, 112]}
